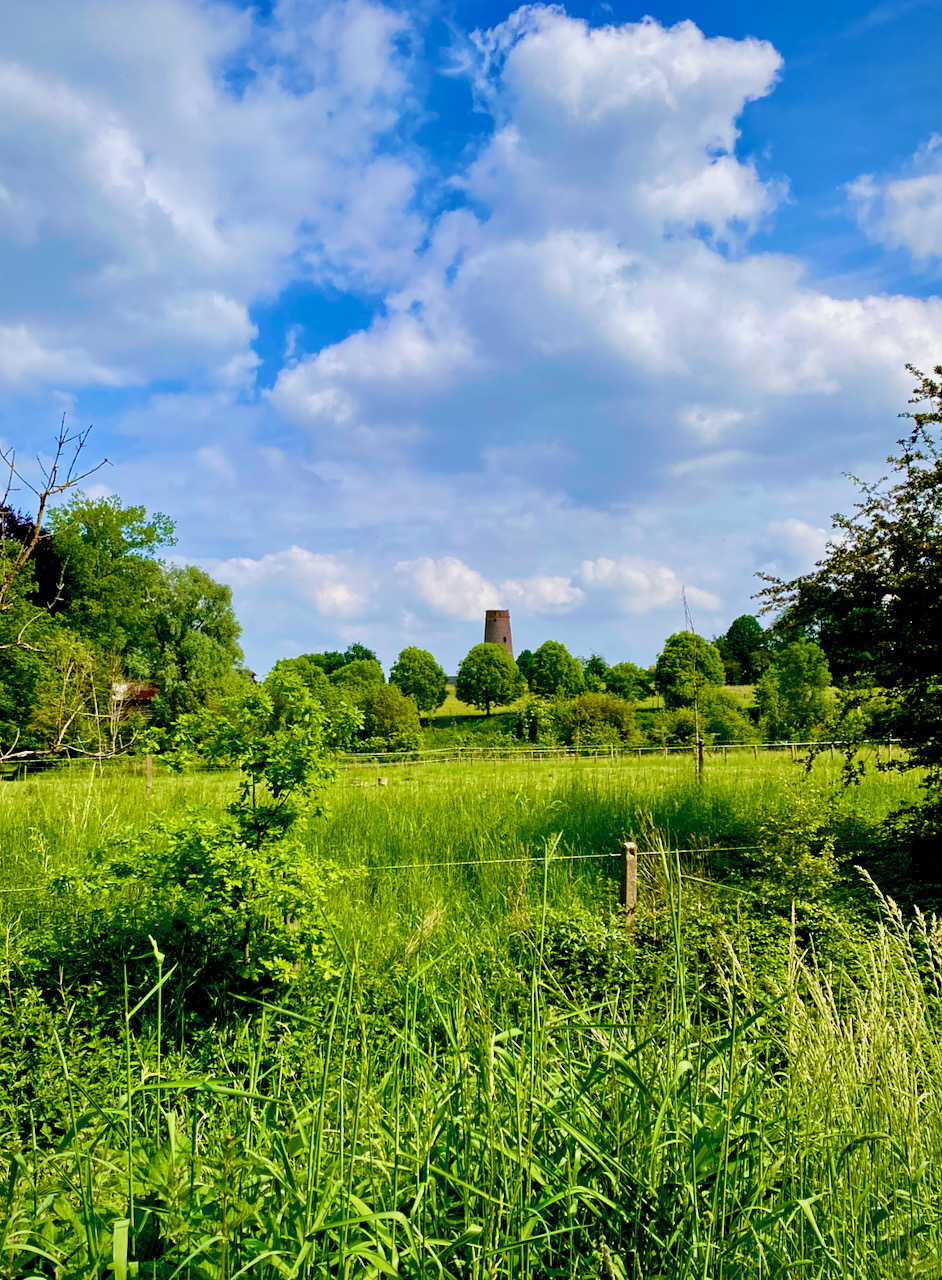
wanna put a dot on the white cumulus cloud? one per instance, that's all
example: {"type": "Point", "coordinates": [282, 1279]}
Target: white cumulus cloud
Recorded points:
{"type": "Point", "coordinates": [905, 212]}
{"type": "Point", "coordinates": [642, 585]}
{"type": "Point", "coordinates": [334, 588]}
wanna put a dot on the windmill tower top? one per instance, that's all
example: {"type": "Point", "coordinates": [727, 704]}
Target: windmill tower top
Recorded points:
{"type": "Point", "coordinates": [497, 629]}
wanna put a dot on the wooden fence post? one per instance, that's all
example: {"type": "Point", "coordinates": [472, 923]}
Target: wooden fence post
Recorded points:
{"type": "Point", "coordinates": [794, 751]}
{"type": "Point", "coordinates": [149, 773]}
{"type": "Point", "coordinates": [628, 895]}
{"type": "Point", "coordinates": [755, 751]}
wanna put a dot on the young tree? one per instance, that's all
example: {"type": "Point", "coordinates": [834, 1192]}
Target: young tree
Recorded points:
{"type": "Point", "coordinates": [487, 677]}
{"type": "Point", "coordinates": [417, 674]}
{"type": "Point", "coordinates": [554, 672]}
{"type": "Point", "coordinates": [688, 665]}
{"type": "Point", "coordinates": [390, 718]}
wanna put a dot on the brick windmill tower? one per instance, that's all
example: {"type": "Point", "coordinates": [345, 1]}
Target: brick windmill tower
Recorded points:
{"type": "Point", "coordinates": [497, 629]}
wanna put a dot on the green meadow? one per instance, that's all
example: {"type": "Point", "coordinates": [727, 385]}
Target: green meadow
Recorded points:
{"type": "Point", "coordinates": [483, 1072]}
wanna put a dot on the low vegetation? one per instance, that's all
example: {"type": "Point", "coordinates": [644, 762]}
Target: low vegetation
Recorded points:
{"type": "Point", "coordinates": [446, 1055]}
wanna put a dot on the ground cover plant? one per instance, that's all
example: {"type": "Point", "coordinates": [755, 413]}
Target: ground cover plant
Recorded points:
{"type": "Point", "coordinates": [478, 1071]}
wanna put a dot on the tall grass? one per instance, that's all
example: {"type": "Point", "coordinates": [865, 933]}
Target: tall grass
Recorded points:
{"type": "Point", "coordinates": [497, 1080]}
{"type": "Point", "coordinates": [659, 1133]}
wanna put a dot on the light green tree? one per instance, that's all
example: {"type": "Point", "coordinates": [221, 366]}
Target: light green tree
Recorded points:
{"type": "Point", "coordinates": [687, 665]}
{"type": "Point", "coordinates": [487, 677]}
{"type": "Point", "coordinates": [554, 672]}
{"type": "Point", "coordinates": [417, 674]}
{"type": "Point", "coordinates": [793, 694]}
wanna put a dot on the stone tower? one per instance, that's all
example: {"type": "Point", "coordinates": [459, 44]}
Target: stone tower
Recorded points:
{"type": "Point", "coordinates": [497, 629]}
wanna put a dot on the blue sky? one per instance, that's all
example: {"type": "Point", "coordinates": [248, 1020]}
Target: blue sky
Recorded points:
{"type": "Point", "coordinates": [402, 313]}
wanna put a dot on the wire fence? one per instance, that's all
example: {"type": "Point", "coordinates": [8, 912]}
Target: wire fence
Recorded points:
{"type": "Point", "coordinates": [530, 751]}
{"type": "Point", "coordinates": [557, 857]}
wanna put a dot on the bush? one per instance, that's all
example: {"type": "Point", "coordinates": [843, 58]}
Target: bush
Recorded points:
{"type": "Point", "coordinates": [390, 719]}
{"type": "Point", "coordinates": [596, 719]}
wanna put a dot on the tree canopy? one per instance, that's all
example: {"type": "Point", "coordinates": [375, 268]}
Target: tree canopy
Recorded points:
{"type": "Point", "coordinates": [744, 650]}
{"type": "Point", "coordinates": [487, 677]}
{"type": "Point", "coordinates": [417, 674]}
{"type": "Point", "coordinates": [687, 665]}
{"type": "Point", "coordinates": [96, 626]}
{"type": "Point", "coordinates": [554, 672]}
{"type": "Point", "coordinates": [793, 694]}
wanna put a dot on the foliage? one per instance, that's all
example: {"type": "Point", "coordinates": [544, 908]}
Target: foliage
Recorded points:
{"type": "Point", "coordinates": [744, 649]}
{"type": "Point", "coordinates": [417, 674]}
{"type": "Point", "coordinates": [793, 694]}
{"type": "Point", "coordinates": [554, 672]}
{"type": "Point", "coordinates": [275, 734]}
{"type": "Point", "coordinates": [594, 669]}
{"type": "Point", "coordinates": [596, 719]}
{"type": "Point", "coordinates": [537, 722]}
{"type": "Point", "coordinates": [718, 717]}
{"type": "Point", "coordinates": [626, 680]}
{"type": "Point", "coordinates": [191, 647]}
{"type": "Point", "coordinates": [356, 677]}
{"type": "Point", "coordinates": [796, 854]}
{"type": "Point", "coordinates": [873, 602]}
{"type": "Point", "coordinates": [390, 719]}
{"type": "Point", "coordinates": [686, 666]}
{"type": "Point", "coordinates": [524, 661]}
{"type": "Point", "coordinates": [109, 553]}
{"type": "Point", "coordinates": [487, 677]}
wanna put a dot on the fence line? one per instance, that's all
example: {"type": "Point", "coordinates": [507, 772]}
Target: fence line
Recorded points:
{"type": "Point", "coordinates": [469, 754]}
{"type": "Point", "coordinates": [562, 857]}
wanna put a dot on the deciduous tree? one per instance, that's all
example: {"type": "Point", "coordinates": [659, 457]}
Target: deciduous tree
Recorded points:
{"type": "Point", "coordinates": [554, 672]}
{"type": "Point", "coordinates": [487, 677]}
{"type": "Point", "coordinates": [687, 665]}
{"type": "Point", "coordinates": [417, 674]}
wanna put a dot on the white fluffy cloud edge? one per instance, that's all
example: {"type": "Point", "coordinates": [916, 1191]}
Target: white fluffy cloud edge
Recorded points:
{"type": "Point", "coordinates": [343, 589]}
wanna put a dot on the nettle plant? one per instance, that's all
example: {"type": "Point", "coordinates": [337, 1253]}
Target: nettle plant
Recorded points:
{"type": "Point", "coordinates": [238, 898]}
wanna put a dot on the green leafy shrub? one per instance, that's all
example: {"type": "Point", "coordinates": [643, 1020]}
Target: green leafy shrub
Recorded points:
{"type": "Point", "coordinates": [390, 720]}
{"type": "Point", "coordinates": [596, 719]}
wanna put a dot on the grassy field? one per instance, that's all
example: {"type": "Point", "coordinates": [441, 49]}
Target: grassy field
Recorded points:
{"type": "Point", "coordinates": [485, 1074]}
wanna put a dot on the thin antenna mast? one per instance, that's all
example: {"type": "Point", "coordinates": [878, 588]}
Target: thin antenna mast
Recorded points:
{"type": "Point", "coordinates": [688, 623]}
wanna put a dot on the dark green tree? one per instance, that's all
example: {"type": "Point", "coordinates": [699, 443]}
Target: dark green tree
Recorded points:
{"type": "Point", "coordinates": [524, 663]}
{"type": "Point", "coordinates": [554, 672]}
{"type": "Point", "coordinates": [739, 647]}
{"type": "Point", "coordinates": [687, 665]}
{"type": "Point", "coordinates": [627, 681]}
{"type": "Point", "coordinates": [417, 674]}
{"type": "Point", "coordinates": [875, 598]}
{"type": "Point", "coordinates": [487, 677]}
